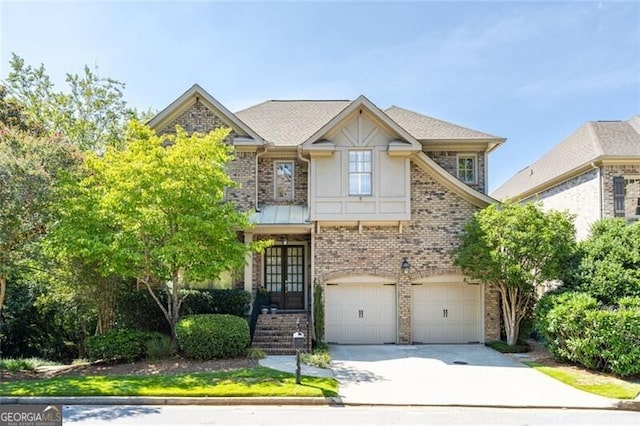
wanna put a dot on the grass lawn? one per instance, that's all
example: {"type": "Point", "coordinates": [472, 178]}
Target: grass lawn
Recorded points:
{"type": "Point", "coordinates": [597, 383]}
{"type": "Point", "coordinates": [249, 382]}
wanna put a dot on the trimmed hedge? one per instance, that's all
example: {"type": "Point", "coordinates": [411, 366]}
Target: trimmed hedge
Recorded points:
{"type": "Point", "coordinates": [138, 310]}
{"type": "Point", "coordinates": [212, 336]}
{"type": "Point", "coordinates": [216, 301]}
{"type": "Point", "coordinates": [576, 329]}
{"type": "Point", "coordinates": [120, 345]}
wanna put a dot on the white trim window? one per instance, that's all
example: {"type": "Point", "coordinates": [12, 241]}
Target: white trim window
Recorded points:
{"type": "Point", "coordinates": [467, 168]}
{"type": "Point", "coordinates": [360, 166]}
{"type": "Point", "coordinates": [283, 184]}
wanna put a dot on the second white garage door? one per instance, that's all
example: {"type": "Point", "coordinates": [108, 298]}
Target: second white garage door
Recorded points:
{"type": "Point", "coordinates": [446, 313]}
{"type": "Point", "coordinates": [360, 313]}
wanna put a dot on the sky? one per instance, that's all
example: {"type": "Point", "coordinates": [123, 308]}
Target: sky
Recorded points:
{"type": "Point", "coordinates": [531, 72]}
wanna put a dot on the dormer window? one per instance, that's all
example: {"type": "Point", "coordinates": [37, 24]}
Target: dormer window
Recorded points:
{"type": "Point", "coordinates": [467, 166]}
{"type": "Point", "coordinates": [360, 172]}
{"type": "Point", "coordinates": [283, 180]}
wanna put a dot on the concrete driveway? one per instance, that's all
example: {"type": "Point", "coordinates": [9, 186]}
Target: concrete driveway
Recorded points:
{"type": "Point", "coordinates": [470, 375]}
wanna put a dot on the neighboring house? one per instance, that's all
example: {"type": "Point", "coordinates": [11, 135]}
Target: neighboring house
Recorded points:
{"type": "Point", "coordinates": [593, 174]}
{"type": "Point", "coordinates": [351, 194]}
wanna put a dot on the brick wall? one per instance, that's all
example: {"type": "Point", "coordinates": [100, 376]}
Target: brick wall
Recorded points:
{"type": "Point", "coordinates": [199, 118]}
{"type": "Point", "coordinates": [579, 196]}
{"type": "Point", "coordinates": [266, 194]}
{"type": "Point", "coordinates": [608, 172]}
{"type": "Point", "coordinates": [438, 217]}
{"type": "Point", "coordinates": [448, 161]}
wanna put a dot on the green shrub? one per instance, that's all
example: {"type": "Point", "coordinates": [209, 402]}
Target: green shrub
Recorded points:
{"type": "Point", "coordinates": [119, 345]}
{"type": "Point", "coordinates": [318, 313]}
{"type": "Point", "coordinates": [560, 317]}
{"type": "Point", "coordinates": [159, 346]}
{"type": "Point", "coordinates": [629, 302]}
{"type": "Point", "coordinates": [137, 310]}
{"type": "Point", "coordinates": [255, 353]}
{"type": "Point", "coordinates": [215, 301]}
{"type": "Point", "coordinates": [23, 364]}
{"type": "Point", "coordinates": [578, 330]}
{"type": "Point", "coordinates": [320, 357]}
{"type": "Point", "coordinates": [213, 336]}
{"type": "Point", "coordinates": [608, 266]}
{"type": "Point", "coordinates": [613, 341]}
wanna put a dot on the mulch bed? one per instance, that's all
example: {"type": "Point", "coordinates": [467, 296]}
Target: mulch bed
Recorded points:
{"type": "Point", "coordinates": [175, 365]}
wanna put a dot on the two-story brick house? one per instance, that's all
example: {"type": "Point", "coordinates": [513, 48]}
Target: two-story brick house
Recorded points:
{"type": "Point", "coordinates": [594, 173]}
{"type": "Point", "coordinates": [366, 203]}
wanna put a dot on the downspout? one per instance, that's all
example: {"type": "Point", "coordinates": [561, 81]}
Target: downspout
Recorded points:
{"type": "Point", "coordinates": [308, 176]}
{"type": "Point", "coordinates": [258, 155]}
{"type": "Point", "coordinates": [486, 173]}
{"type": "Point", "coordinates": [312, 249]}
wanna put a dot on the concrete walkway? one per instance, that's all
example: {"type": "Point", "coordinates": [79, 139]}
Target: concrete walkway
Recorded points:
{"type": "Point", "coordinates": [448, 375]}
{"type": "Point", "coordinates": [287, 363]}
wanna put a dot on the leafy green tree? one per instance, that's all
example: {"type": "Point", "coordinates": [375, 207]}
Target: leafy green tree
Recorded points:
{"type": "Point", "coordinates": [91, 115]}
{"type": "Point", "coordinates": [155, 211]}
{"type": "Point", "coordinates": [30, 169]}
{"type": "Point", "coordinates": [516, 248]}
{"type": "Point", "coordinates": [608, 261]}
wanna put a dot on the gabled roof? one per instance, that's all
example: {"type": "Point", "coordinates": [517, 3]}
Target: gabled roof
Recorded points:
{"type": "Point", "coordinates": [197, 93]}
{"type": "Point", "coordinates": [290, 123]}
{"type": "Point", "coordinates": [422, 127]}
{"type": "Point", "coordinates": [359, 103]}
{"type": "Point", "coordinates": [593, 142]}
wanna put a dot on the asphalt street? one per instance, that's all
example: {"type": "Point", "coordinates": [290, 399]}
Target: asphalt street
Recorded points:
{"type": "Point", "coordinates": [82, 415]}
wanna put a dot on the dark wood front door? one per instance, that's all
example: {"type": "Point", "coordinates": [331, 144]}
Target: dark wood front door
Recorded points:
{"type": "Point", "coordinates": [284, 276]}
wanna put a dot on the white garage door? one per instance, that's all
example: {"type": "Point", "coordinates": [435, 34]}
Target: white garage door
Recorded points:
{"type": "Point", "coordinates": [446, 313]}
{"type": "Point", "coordinates": [360, 313]}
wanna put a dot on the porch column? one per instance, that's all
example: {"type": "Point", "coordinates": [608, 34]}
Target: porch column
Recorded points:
{"type": "Point", "coordinates": [248, 266]}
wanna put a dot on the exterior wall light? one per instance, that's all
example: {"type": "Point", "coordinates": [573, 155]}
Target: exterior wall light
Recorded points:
{"type": "Point", "coordinates": [405, 265]}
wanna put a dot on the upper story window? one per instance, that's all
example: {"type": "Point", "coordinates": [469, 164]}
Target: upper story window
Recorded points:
{"type": "Point", "coordinates": [360, 172]}
{"type": "Point", "coordinates": [283, 180]}
{"type": "Point", "coordinates": [467, 168]}
{"type": "Point", "coordinates": [626, 196]}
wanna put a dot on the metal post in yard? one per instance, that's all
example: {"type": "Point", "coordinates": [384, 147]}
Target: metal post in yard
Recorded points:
{"type": "Point", "coordinates": [298, 343]}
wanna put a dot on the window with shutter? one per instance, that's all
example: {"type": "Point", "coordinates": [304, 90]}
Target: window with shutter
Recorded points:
{"type": "Point", "coordinates": [618, 196]}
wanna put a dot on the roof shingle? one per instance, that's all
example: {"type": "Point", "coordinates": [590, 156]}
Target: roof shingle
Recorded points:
{"type": "Point", "coordinates": [593, 140]}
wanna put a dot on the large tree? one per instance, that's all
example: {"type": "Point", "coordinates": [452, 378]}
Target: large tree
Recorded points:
{"type": "Point", "coordinates": [91, 114]}
{"type": "Point", "coordinates": [155, 211]}
{"type": "Point", "coordinates": [30, 169]}
{"type": "Point", "coordinates": [516, 248]}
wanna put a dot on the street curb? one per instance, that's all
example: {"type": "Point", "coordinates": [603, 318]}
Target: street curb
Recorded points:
{"type": "Point", "coordinates": [134, 400]}
{"type": "Point", "coordinates": [630, 405]}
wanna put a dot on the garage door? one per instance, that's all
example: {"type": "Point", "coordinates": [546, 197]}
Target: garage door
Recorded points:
{"type": "Point", "coordinates": [446, 313]}
{"type": "Point", "coordinates": [360, 313]}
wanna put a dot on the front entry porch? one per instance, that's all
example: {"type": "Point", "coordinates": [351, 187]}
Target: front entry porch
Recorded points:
{"type": "Point", "coordinates": [284, 276]}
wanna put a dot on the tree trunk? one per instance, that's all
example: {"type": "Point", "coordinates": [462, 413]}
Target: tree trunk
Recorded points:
{"type": "Point", "coordinates": [106, 305]}
{"type": "Point", "coordinates": [3, 288]}
{"type": "Point", "coordinates": [510, 298]}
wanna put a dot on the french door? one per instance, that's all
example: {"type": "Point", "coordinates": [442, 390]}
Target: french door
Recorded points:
{"type": "Point", "coordinates": [284, 276]}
